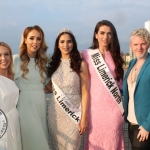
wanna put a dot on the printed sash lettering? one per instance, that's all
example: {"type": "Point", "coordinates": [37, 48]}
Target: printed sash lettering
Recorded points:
{"type": "Point", "coordinates": [63, 101]}
{"type": "Point", "coordinates": [106, 76]}
{"type": "Point", "coordinates": [3, 123]}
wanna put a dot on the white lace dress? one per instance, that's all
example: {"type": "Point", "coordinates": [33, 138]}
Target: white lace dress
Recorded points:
{"type": "Point", "coordinates": [64, 132]}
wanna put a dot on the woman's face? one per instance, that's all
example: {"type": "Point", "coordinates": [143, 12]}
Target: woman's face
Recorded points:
{"type": "Point", "coordinates": [33, 42]}
{"type": "Point", "coordinates": [103, 36]}
{"type": "Point", "coordinates": [65, 44]}
{"type": "Point", "coordinates": [5, 58]}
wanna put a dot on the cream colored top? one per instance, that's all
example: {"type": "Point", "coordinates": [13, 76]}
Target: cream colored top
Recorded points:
{"type": "Point", "coordinates": [131, 111]}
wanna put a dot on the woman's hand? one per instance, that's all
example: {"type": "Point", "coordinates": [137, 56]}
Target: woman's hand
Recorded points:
{"type": "Point", "coordinates": [83, 126]}
{"type": "Point", "coordinates": [48, 87]}
{"type": "Point", "coordinates": [84, 102]}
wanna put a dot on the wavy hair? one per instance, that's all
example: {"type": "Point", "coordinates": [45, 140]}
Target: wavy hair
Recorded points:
{"type": "Point", "coordinates": [75, 58]}
{"type": "Point", "coordinates": [114, 47]}
{"type": "Point", "coordinates": [40, 58]}
{"type": "Point", "coordinates": [10, 67]}
{"type": "Point", "coordinates": [142, 33]}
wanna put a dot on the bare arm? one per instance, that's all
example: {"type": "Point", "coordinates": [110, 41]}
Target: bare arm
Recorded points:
{"type": "Point", "coordinates": [48, 87]}
{"type": "Point", "coordinates": [84, 103]}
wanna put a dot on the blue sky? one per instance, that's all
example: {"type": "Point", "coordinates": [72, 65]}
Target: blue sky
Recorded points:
{"type": "Point", "coordinates": [80, 16]}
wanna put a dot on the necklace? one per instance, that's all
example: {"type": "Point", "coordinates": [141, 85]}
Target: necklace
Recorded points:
{"type": "Point", "coordinates": [134, 74]}
{"type": "Point", "coordinates": [135, 71]}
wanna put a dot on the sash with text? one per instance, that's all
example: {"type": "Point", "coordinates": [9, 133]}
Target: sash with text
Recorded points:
{"type": "Point", "coordinates": [106, 77]}
{"type": "Point", "coordinates": [63, 101]}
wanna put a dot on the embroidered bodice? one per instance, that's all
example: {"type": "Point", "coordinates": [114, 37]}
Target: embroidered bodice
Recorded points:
{"type": "Point", "coordinates": [68, 81]}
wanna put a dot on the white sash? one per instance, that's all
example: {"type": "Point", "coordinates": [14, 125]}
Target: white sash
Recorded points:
{"type": "Point", "coordinates": [106, 77]}
{"type": "Point", "coordinates": [63, 101]}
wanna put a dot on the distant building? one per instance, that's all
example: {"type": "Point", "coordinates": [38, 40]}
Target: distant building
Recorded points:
{"type": "Point", "coordinates": [126, 58]}
{"type": "Point", "coordinates": [147, 26]}
{"type": "Point", "coordinates": [132, 56]}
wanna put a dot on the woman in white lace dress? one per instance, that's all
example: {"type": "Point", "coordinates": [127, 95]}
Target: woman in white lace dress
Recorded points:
{"type": "Point", "coordinates": [67, 111]}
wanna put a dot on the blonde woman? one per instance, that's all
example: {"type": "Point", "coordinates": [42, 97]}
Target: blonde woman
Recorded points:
{"type": "Point", "coordinates": [30, 74]}
{"type": "Point", "coordinates": [9, 93]}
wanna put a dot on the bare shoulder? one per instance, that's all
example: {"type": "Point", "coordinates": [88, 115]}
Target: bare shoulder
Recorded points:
{"type": "Point", "coordinates": [80, 53]}
{"type": "Point", "coordinates": [83, 65]}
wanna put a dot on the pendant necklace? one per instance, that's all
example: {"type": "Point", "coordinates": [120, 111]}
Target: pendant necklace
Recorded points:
{"type": "Point", "coordinates": [134, 74]}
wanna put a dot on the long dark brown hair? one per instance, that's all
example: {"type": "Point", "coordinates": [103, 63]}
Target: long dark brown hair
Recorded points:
{"type": "Point", "coordinates": [75, 58]}
{"type": "Point", "coordinates": [114, 47]}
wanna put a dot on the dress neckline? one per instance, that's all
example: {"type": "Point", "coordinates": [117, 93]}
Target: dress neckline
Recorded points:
{"type": "Point", "coordinates": [6, 78]}
{"type": "Point", "coordinates": [32, 58]}
{"type": "Point", "coordinates": [65, 59]}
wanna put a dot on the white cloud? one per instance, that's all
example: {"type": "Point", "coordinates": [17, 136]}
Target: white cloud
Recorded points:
{"type": "Point", "coordinates": [80, 16]}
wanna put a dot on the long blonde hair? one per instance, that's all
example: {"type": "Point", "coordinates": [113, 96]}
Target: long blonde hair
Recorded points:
{"type": "Point", "coordinates": [10, 67]}
{"type": "Point", "coordinates": [40, 58]}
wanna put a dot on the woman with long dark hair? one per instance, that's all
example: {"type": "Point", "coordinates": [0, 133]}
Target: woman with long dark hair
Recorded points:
{"type": "Point", "coordinates": [106, 74]}
{"type": "Point", "coordinates": [67, 111]}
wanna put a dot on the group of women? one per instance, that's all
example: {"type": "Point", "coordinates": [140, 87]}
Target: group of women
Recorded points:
{"type": "Point", "coordinates": [85, 87]}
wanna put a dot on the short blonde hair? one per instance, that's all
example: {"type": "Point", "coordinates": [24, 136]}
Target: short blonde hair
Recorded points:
{"type": "Point", "coordinates": [10, 68]}
{"type": "Point", "coordinates": [143, 33]}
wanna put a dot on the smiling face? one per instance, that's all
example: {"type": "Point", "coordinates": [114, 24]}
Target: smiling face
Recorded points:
{"type": "Point", "coordinates": [139, 47]}
{"type": "Point", "coordinates": [5, 58]}
{"type": "Point", "coordinates": [103, 36]}
{"type": "Point", "coordinates": [65, 44]}
{"type": "Point", "coordinates": [33, 42]}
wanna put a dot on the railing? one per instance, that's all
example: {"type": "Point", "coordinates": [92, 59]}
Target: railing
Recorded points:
{"type": "Point", "coordinates": [126, 138]}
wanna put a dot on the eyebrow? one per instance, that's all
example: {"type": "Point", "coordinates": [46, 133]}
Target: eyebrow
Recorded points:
{"type": "Point", "coordinates": [105, 32]}
{"type": "Point", "coordinates": [5, 53]}
{"type": "Point", "coordinates": [34, 36]}
{"type": "Point", "coordinates": [66, 40]}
